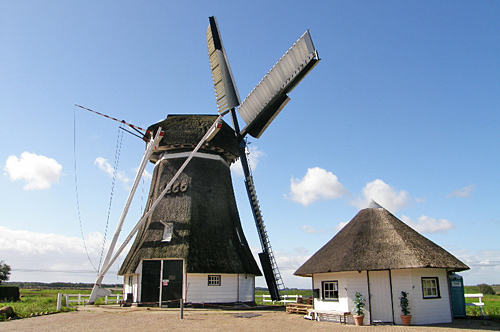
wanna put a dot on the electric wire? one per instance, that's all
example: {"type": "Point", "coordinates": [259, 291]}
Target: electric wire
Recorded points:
{"type": "Point", "coordinates": [119, 141]}
{"type": "Point", "coordinates": [76, 191]}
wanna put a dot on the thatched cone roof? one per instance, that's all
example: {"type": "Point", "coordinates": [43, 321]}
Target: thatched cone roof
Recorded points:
{"type": "Point", "coordinates": [207, 231]}
{"type": "Point", "coordinates": [376, 240]}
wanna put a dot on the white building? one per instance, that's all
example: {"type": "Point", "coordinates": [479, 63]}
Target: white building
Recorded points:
{"type": "Point", "coordinates": [379, 256]}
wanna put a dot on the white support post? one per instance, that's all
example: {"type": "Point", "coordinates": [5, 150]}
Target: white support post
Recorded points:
{"type": "Point", "coordinates": [167, 187]}
{"type": "Point", "coordinates": [96, 293]}
{"type": "Point", "coordinates": [66, 297]}
{"type": "Point", "coordinates": [59, 298]}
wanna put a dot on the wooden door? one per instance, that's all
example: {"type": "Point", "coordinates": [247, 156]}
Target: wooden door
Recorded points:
{"type": "Point", "coordinates": [171, 293]}
{"type": "Point", "coordinates": [150, 284]}
{"type": "Point", "coordinates": [380, 297]}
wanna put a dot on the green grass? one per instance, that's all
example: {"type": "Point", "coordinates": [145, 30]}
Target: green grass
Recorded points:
{"type": "Point", "coordinates": [34, 302]}
{"type": "Point", "coordinates": [301, 292]}
{"type": "Point", "coordinates": [491, 306]}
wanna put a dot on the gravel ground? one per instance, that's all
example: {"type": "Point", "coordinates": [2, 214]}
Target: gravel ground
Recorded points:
{"type": "Point", "coordinates": [115, 318]}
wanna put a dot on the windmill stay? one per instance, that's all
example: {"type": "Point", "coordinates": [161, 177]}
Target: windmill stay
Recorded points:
{"type": "Point", "coordinates": [189, 245]}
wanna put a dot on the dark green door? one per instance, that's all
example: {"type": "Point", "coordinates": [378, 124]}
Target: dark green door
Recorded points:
{"type": "Point", "coordinates": [171, 292]}
{"type": "Point", "coordinates": [150, 285]}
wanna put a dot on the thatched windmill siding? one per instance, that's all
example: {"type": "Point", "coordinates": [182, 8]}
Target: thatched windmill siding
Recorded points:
{"type": "Point", "coordinates": [192, 246]}
{"type": "Point", "coordinates": [379, 256]}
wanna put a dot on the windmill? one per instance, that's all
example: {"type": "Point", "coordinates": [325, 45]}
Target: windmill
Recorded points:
{"type": "Point", "coordinates": [190, 244]}
{"type": "Point", "coordinates": [258, 110]}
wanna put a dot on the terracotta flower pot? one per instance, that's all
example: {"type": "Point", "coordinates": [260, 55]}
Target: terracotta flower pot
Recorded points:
{"type": "Point", "coordinates": [406, 320]}
{"type": "Point", "coordinates": [358, 320]}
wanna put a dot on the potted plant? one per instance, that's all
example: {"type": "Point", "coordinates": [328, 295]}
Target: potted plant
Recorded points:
{"type": "Point", "coordinates": [405, 309]}
{"type": "Point", "coordinates": [359, 304]}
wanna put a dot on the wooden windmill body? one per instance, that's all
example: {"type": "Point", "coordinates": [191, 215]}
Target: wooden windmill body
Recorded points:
{"type": "Point", "coordinates": [194, 236]}
{"type": "Point", "coordinates": [190, 245]}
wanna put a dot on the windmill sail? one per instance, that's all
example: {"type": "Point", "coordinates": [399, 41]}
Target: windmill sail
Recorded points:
{"type": "Point", "coordinates": [269, 97]}
{"type": "Point", "coordinates": [226, 94]}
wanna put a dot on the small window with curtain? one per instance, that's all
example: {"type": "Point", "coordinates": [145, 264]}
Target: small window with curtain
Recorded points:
{"type": "Point", "coordinates": [430, 288]}
{"type": "Point", "coordinates": [330, 290]}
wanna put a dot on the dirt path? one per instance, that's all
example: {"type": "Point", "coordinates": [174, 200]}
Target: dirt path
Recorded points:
{"type": "Point", "coordinates": [114, 318]}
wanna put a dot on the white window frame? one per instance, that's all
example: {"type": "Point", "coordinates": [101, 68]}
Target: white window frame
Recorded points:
{"type": "Point", "coordinates": [168, 231]}
{"type": "Point", "coordinates": [330, 290]}
{"type": "Point", "coordinates": [214, 280]}
{"type": "Point", "coordinates": [430, 288]}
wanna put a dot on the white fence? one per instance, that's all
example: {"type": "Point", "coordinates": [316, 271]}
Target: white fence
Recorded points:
{"type": "Point", "coordinates": [479, 304]}
{"type": "Point", "coordinates": [284, 299]}
{"type": "Point", "coordinates": [84, 298]}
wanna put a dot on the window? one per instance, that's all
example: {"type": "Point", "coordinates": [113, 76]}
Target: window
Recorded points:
{"type": "Point", "coordinates": [213, 280]}
{"type": "Point", "coordinates": [430, 288]}
{"type": "Point", "coordinates": [330, 290]}
{"type": "Point", "coordinates": [168, 230]}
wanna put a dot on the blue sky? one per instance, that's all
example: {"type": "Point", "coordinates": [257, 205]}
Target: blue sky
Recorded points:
{"type": "Point", "coordinates": [403, 108]}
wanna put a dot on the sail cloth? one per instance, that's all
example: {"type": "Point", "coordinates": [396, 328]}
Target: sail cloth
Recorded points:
{"type": "Point", "coordinates": [269, 97]}
{"type": "Point", "coordinates": [226, 93]}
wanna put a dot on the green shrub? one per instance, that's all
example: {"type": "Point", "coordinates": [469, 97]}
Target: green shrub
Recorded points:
{"type": "Point", "coordinates": [486, 289]}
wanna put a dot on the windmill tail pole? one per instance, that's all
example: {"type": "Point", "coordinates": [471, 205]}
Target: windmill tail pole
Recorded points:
{"type": "Point", "coordinates": [115, 119]}
{"type": "Point", "coordinates": [97, 291]}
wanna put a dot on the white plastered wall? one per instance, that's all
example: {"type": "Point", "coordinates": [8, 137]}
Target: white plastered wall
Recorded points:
{"type": "Point", "coordinates": [233, 288]}
{"type": "Point", "coordinates": [349, 283]}
{"type": "Point", "coordinates": [423, 311]}
{"type": "Point", "coordinates": [130, 287]}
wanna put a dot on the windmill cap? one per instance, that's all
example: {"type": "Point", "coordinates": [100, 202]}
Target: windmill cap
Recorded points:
{"type": "Point", "coordinates": [184, 132]}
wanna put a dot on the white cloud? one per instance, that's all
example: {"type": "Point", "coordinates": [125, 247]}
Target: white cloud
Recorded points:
{"type": "Point", "coordinates": [39, 172]}
{"type": "Point", "coordinates": [108, 169]}
{"type": "Point", "coordinates": [27, 242]}
{"type": "Point", "coordinates": [484, 264]}
{"type": "Point", "coordinates": [253, 156]}
{"type": "Point", "coordinates": [428, 225]}
{"type": "Point", "coordinates": [48, 257]}
{"type": "Point", "coordinates": [312, 230]}
{"type": "Point", "coordinates": [317, 184]}
{"type": "Point", "coordinates": [146, 175]}
{"type": "Point", "coordinates": [384, 194]}
{"type": "Point", "coordinates": [463, 192]}
{"type": "Point", "coordinates": [340, 226]}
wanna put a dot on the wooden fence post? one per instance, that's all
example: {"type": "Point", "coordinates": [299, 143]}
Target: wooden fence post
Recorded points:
{"type": "Point", "coordinates": [59, 297]}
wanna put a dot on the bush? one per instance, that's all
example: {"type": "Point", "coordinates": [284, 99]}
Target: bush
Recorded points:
{"type": "Point", "coordinates": [9, 293]}
{"type": "Point", "coordinates": [486, 289]}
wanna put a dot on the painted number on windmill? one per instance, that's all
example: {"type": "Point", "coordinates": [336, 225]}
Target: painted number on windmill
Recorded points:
{"type": "Point", "coordinates": [177, 187]}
